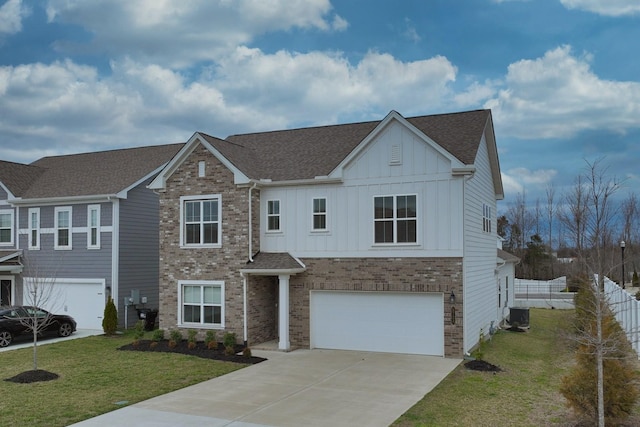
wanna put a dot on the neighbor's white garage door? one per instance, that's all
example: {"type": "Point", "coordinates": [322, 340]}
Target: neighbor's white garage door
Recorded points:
{"type": "Point", "coordinates": [82, 299]}
{"type": "Point", "coordinates": [377, 321]}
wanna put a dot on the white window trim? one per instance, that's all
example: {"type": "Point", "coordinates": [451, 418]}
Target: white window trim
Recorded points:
{"type": "Point", "coordinates": [326, 215]}
{"type": "Point", "coordinates": [93, 208]}
{"type": "Point", "coordinates": [183, 324]}
{"type": "Point", "coordinates": [279, 215]}
{"type": "Point", "coordinates": [57, 228]}
{"type": "Point", "coordinates": [12, 213]}
{"type": "Point", "coordinates": [32, 229]}
{"type": "Point", "coordinates": [203, 197]}
{"type": "Point", "coordinates": [395, 220]}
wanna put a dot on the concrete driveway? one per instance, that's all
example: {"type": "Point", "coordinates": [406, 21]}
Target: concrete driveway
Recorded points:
{"type": "Point", "coordinates": [24, 341]}
{"type": "Point", "coordinates": [303, 387]}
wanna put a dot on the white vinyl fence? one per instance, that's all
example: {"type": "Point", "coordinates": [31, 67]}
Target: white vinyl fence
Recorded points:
{"type": "Point", "coordinates": [626, 308]}
{"type": "Point", "coordinates": [543, 293]}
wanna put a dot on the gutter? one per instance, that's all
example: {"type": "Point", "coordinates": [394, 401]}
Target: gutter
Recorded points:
{"type": "Point", "coordinates": [96, 198]}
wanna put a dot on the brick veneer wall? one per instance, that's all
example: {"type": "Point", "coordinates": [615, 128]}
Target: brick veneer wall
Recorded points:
{"type": "Point", "coordinates": [201, 263]}
{"type": "Point", "coordinates": [440, 275]}
{"type": "Point", "coordinates": [262, 298]}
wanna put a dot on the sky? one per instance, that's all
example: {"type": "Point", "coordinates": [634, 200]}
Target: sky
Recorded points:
{"type": "Point", "coordinates": [561, 77]}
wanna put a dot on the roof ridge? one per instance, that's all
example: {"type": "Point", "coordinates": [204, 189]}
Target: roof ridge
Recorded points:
{"type": "Point", "coordinates": [113, 150]}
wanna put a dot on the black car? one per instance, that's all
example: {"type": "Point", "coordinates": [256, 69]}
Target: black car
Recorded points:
{"type": "Point", "coordinates": [16, 320]}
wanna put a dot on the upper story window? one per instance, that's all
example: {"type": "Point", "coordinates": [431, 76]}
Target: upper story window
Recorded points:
{"type": "Point", "coordinates": [93, 227]}
{"type": "Point", "coordinates": [273, 215]}
{"type": "Point", "coordinates": [486, 218]}
{"type": "Point", "coordinates": [34, 228]}
{"type": "Point", "coordinates": [6, 228]}
{"type": "Point", "coordinates": [201, 221]}
{"type": "Point", "coordinates": [320, 214]}
{"type": "Point", "coordinates": [63, 228]}
{"type": "Point", "coordinates": [395, 219]}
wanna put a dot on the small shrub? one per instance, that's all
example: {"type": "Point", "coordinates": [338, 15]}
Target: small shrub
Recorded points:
{"type": "Point", "coordinates": [175, 336]}
{"type": "Point", "coordinates": [191, 338]}
{"type": "Point", "coordinates": [229, 339]}
{"type": "Point", "coordinates": [638, 295]}
{"type": "Point", "coordinates": [246, 352]}
{"type": "Point", "coordinates": [153, 344]}
{"type": "Point", "coordinates": [138, 331]}
{"type": "Point", "coordinates": [110, 319]}
{"type": "Point", "coordinates": [210, 340]}
{"type": "Point", "coordinates": [157, 335]}
{"type": "Point", "coordinates": [478, 353]}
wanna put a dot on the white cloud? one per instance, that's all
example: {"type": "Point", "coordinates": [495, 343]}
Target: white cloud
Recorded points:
{"type": "Point", "coordinates": [605, 7]}
{"type": "Point", "coordinates": [11, 15]}
{"type": "Point", "coordinates": [52, 104]}
{"type": "Point", "coordinates": [558, 95]}
{"type": "Point", "coordinates": [158, 31]}
{"type": "Point", "coordinates": [517, 180]}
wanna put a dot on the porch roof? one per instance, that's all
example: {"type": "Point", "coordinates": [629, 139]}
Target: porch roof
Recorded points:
{"type": "Point", "coordinates": [272, 263]}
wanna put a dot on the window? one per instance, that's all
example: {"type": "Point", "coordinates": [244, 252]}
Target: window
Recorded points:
{"type": "Point", "coordinates": [93, 227]}
{"type": "Point", "coordinates": [34, 228]}
{"type": "Point", "coordinates": [486, 218]}
{"type": "Point", "coordinates": [273, 215]}
{"type": "Point", "coordinates": [395, 219]}
{"type": "Point", "coordinates": [506, 288]}
{"type": "Point", "coordinates": [201, 223]}
{"type": "Point", "coordinates": [6, 228]}
{"type": "Point", "coordinates": [320, 214]}
{"type": "Point", "coordinates": [63, 228]}
{"type": "Point", "coordinates": [202, 303]}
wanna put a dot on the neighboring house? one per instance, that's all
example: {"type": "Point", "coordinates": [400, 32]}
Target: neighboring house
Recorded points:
{"type": "Point", "coordinates": [87, 223]}
{"type": "Point", "coordinates": [369, 236]}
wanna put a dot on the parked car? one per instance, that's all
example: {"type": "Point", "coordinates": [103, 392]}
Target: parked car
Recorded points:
{"type": "Point", "coordinates": [16, 320]}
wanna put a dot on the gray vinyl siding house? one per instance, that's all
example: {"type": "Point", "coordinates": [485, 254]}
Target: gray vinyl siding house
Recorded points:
{"type": "Point", "coordinates": [88, 224]}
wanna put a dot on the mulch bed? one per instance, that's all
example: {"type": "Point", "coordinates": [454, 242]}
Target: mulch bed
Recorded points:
{"type": "Point", "coordinates": [481, 365]}
{"type": "Point", "coordinates": [33, 376]}
{"type": "Point", "coordinates": [200, 350]}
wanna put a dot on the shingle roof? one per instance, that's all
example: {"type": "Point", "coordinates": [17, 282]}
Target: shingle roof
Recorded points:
{"type": "Point", "coordinates": [273, 261]}
{"type": "Point", "coordinates": [309, 152]}
{"type": "Point", "coordinates": [18, 177]}
{"type": "Point", "coordinates": [98, 173]}
{"type": "Point", "coordinates": [506, 256]}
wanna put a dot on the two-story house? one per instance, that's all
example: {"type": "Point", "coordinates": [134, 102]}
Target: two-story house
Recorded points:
{"type": "Point", "coordinates": [88, 225]}
{"type": "Point", "coordinates": [373, 236]}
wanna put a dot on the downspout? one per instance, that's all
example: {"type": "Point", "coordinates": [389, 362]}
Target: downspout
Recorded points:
{"type": "Point", "coordinates": [250, 225]}
{"type": "Point", "coordinates": [115, 250]}
{"type": "Point", "coordinates": [244, 308]}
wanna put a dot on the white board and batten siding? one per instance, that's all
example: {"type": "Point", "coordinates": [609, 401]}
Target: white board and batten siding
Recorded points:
{"type": "Point", "coordinates": [396, 162]}
{"type": "Point", "coordinates": [480, 282]}
{"type": "Point", "coordinates": [410, 323]}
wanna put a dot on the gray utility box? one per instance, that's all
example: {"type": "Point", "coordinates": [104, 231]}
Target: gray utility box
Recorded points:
{"type": "Point", "coordinates": [519, 315]}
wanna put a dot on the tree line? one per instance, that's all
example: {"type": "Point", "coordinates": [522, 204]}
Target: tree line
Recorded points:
{"type": "Point", "coordinates": [554, 237]}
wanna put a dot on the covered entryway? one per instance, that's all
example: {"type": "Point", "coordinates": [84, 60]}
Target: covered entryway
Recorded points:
{"type": "Point", "coordinates": [411, 323]}
{"type": "Point", "coordinates": [82, 299]}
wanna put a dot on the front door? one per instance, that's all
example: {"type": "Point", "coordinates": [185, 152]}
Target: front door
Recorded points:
{"type": "Point", "coordinates": [5, 292]}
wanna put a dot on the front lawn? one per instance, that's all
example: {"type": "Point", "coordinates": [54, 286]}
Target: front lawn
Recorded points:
{"type": "Point", "coordinates": [525, 393]}
{"type": "Point", "coordinates": [95, 378]}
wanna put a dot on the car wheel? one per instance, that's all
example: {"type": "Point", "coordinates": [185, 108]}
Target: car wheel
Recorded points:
{"type": "Point", "coordinates": [65, 329]}
{"type": "Point", "coordinates": [5, 338]}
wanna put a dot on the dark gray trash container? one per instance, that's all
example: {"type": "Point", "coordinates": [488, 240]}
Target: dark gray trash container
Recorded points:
{"type": "Point", "coordinates": [149, 317]}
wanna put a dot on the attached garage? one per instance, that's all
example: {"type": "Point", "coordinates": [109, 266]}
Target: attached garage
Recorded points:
{"type": "Point", "coordinates": [411, 323]}
{"type": "Point", "coordinates": [82, 299]}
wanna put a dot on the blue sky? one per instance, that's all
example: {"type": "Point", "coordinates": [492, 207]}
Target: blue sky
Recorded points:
{"type": "Point", "coordinates": [562, 77]}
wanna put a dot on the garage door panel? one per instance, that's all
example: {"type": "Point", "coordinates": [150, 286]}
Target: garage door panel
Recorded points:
{"type": "Point", "coordinates": [82, 299]}
{"type": "Point", "coordinates": [384, 322]}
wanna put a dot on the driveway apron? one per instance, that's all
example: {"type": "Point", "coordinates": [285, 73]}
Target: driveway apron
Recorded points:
{"type": "Point", "coordinates": [303, 387]}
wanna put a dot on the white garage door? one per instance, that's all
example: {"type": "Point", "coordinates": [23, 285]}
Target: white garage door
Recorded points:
{"type": "Point", "coordinates": [377, 321]}
{"type": "Point", "coordinates": [82, 299]}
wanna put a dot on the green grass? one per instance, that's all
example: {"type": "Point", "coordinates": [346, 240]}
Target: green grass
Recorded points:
{"type": "Point", "coordinates": [94, 378]}
{"type": "Point", "coordinates": [525, 394]}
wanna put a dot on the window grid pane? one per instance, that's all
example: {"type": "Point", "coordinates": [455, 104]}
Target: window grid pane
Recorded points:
{"type": "Point", "coordinates": [202, 304]}
{"type": "Point", "coordinates": [395, 219]}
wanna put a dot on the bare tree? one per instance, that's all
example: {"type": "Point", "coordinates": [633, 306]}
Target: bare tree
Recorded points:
{"type": "Point", "coordinates": [550, 211]}
{"type": "Point", "coordinates": [573, 213]}
{"type": "Point", "coordinates": [591, 212]}
{"type": "Point", "coordinates": [38, 292]}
